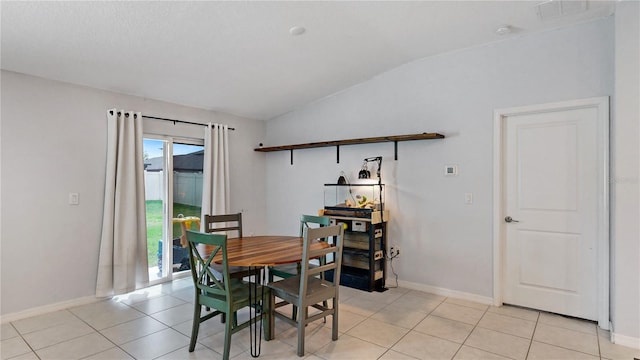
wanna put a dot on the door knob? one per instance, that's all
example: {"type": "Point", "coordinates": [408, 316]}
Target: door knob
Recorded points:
{"type": "Point", "coordinates": [510, 219]}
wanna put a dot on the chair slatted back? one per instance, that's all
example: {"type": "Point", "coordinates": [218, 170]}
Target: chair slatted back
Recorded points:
{"type": "Point", "coordinates": [335, 250]}
{"type": "Point", "coordinates": [220, 224]}
{"type": "Point", "coordinates": [307, 220]}
{"type": "Point", "coordinates": [203, 277]}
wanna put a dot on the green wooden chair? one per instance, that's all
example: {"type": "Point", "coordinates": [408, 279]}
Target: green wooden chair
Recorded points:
{"type": "Point", "coordinates": [310, 289]}
{"type": "Point", "coordinates": [228, 224]}
{"type": "Point", "coordinates": [223, 296]}
{"type": "Point", "coordinates": [289, 270]}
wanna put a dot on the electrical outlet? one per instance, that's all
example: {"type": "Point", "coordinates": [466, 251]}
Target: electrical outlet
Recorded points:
{"type": "Point", "coordinates": [394, 252]}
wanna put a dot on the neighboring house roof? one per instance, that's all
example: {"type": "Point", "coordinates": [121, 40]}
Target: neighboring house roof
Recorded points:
{"type": "Point", "coordinates": [183, 163]}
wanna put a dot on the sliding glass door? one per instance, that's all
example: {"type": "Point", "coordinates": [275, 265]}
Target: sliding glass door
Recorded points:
{"type": "Point", "coordinates": [173, 194]}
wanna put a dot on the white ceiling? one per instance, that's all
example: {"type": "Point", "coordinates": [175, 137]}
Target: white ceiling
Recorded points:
{"type": "Point", "coordinates": [238, 57]}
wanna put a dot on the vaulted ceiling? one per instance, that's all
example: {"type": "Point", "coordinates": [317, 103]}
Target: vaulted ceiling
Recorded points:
{"type": "Point", "coordinates": [240, 57]}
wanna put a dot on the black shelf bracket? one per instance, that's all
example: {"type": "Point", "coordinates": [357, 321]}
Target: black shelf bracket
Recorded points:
{"type": "Point", "coordinates": [395, 150]}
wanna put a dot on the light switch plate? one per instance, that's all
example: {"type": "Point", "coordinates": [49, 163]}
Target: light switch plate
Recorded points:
{"type": "Point", "coordinates": [468, 198]}
{"type": "Point", "coordinates": [74, 199]}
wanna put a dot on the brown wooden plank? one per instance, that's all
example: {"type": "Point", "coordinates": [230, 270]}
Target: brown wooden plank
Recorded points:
{"type": "Point", "coordinates": [369, 140]}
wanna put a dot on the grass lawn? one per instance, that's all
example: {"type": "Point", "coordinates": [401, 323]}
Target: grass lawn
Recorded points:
{"type": "Point", "coordinates": [154, 225]}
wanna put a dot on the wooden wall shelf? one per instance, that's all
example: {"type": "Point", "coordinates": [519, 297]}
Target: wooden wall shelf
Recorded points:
{"type": "Point", "coordinates": [337, 143]}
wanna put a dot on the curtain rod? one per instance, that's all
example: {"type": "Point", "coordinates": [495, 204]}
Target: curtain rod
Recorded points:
{"type": "Point", "coordinates": [165, 119]}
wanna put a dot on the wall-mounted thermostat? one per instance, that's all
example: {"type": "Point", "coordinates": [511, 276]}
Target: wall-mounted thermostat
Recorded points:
{"type": "Point", "coordinates": [451, 170]}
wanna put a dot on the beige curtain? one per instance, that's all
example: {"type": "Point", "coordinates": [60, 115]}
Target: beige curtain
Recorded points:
{"type": "Point", "coordinates": [123, 264]}
{"type": "Point", "coordinates": [215, 179]}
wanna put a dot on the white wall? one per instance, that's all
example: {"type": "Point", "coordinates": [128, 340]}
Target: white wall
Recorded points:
{"type": "Point", "coordinates": [50, 248]}
{"type": "Point", "coordinates": [444, 243]}
{"type": "Point", "coordinates": [625, 171]}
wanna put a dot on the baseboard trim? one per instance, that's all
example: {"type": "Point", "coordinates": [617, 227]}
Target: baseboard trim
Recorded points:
{"type": "Point", "coordinates": [446, 292]}
{"type": "Point", "coordinates": [628, 341]}
{"type": "Point", "coordinates": [41, 310]}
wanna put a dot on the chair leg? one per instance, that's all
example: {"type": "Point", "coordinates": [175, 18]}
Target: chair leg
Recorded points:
{"type": "Point", "coordinates": [294, 313]}
{"type": "Point", "coordinates": [268, 311]}
{"type": "Point", "coordinates": [334, 324]}
{"type": "Point", "coordinates": [206, 278]}
{"type": "Point", "coordinates": [323, 261]}
{"type": "Point", "coordinates": [326, 306]}
{"type": "Point", "coordinates": [196, 325]}
{"type": "Point", "coordinates": [301, 327]}
{"type": "Point", "coordinates": [227, 340]}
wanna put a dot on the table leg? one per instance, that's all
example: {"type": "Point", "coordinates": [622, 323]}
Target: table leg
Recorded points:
{"type": "Point", "coordinates": [255, 329]}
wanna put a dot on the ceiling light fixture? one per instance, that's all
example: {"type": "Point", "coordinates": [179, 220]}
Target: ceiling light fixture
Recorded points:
{"type": "Point", "coordinates": [503, 30]}
{"type": "Point", "coordinates": [297, 30]}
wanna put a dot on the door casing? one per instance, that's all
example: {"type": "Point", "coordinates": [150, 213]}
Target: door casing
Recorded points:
{"type": "Point", "coordinates": [499, 232]}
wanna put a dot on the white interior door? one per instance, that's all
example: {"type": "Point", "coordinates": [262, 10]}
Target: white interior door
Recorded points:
{"type": "Point", "coordinates": [552, 210]}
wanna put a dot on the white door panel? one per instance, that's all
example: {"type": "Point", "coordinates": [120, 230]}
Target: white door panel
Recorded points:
{"type": "Point", "coordinates": [544, 255]}
{"type": "Point", "coordinates": [551, 189]}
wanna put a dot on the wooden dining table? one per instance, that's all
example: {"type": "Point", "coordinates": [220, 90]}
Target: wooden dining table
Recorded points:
{"type": "Point", "coordinates": [259, 252]}
{"type": "Point", "coordinates": [264, 250]}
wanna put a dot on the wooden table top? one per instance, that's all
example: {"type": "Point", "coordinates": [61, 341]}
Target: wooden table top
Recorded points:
{"type": "Point", "coordinates": [264, 250]}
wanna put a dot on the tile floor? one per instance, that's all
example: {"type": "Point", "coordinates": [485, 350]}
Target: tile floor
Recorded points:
{"type": "Point", "coordinates": [155, 323]}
